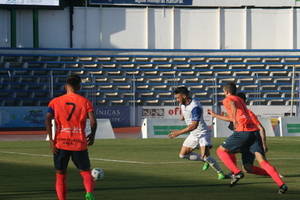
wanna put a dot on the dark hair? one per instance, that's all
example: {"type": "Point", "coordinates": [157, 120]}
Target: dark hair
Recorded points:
{"type": "Point", "coordinates": [230, 87]}
{"type": "Point", "coordinates": [242, 96]}
{"type": "Point", "coordinates": [182, 90]}
{"type": "Point", "coordinates": [74, 81]}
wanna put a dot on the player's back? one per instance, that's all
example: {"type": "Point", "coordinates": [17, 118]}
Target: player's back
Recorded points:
{"type": "Point", "coordinates": [70, 114]}
{"type": "Point", "coordinates": [254, 118]}
{"type": "Point", "coordinates": [243, 118]}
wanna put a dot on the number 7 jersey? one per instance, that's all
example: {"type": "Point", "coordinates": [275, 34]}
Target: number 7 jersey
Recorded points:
{"type": "Point", "coordinates": [70, 113]}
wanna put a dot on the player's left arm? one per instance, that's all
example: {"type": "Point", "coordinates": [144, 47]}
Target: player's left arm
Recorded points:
{"type": "Point", "coordinates": [196, 116]}
{"type": "Point", "coordinates": [262, 132]}
{"type": "Point", "coordinates": [93, 124]}
{"type": "Point", "coordinates": [188, 129]}
{"type": "Point", "coordinates": [233, 114]}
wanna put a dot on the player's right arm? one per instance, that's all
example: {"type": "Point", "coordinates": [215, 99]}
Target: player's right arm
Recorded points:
{"type": "Point", "coordinates": [181, 118]}
{"type": "Point", "coordinates": [48, 123]}
{"type": "Point", "coordinates": [197, 113]}
{"type": "Point", "coordinates": [187, 129]}
{"type": "Point", "coordinates": [221, 117]}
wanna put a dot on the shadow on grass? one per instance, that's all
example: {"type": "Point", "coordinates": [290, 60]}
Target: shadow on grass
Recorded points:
{"type": "Point", "coordinates": [292, 175]}
{"type": "Point", "coordinates": [175, 186]}
{"type": "Point", "coordinates": [20, 181]}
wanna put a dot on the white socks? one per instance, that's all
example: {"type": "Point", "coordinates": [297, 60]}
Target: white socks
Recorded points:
{"type": "Point", "coordinates": [213, 163]}
{"type": "Point", "coordinates": [192, 156]}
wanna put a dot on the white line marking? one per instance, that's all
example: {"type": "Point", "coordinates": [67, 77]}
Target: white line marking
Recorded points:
{"type": "Point", "coordinates": [25, 154]}
{"type": "Point", "coordinates": [119, 161]}
{"type": "Point", "coordinates": [124, 161]}
{"type": "Point", "coordinates": [50, 156]}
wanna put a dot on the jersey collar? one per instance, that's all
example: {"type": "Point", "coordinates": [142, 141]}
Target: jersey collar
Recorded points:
{"type": "Point", "coordinates": [188, 103]}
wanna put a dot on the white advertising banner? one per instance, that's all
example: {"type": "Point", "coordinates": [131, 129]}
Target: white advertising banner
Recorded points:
{"type": "Point", "coordinates": [265, 113]}
{"type": "Point", "coordinates": [289, 126]}
{"type": "Point", "coordinates": [30, 2]}
{"type": "Point", "coordinates": [168, 112]}
{"type": "Point", "coordinates": [156, 128]}
{"type": "Point", "coordinates": [221, 127]}
{"type": "Point", "coordinates": [272, 111]}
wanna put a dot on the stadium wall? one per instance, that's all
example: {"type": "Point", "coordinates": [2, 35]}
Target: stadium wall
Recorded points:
{"type": "Point", "coordinates": [15, 118]}
{"type": "Point", "coordinates": [158, 28]}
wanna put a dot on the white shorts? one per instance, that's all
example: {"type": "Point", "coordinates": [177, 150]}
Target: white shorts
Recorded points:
{"type": "Point", "coordinates": [195, 142]}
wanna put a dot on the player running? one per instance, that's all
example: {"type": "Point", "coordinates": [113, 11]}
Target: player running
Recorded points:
{"type": "Point", "coordinates": [70, 112]}
{"type": "Point", "coordinates": [248, 157]}
{"type": "Point", "coordinates": [245, 138]}
{"type": "Point", "coordinates": [200, 136]}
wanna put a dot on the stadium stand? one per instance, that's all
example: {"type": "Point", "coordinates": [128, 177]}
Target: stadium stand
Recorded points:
{"type": "Point", "coordinates": [31, 79]}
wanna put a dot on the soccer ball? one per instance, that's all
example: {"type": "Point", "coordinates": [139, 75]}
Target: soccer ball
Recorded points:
{"type": "Point", "coordinates": [97, 174]}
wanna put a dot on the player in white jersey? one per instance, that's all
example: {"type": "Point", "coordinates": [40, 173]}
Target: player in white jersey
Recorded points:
{"type": "Point", "coordinates": [200, 135]}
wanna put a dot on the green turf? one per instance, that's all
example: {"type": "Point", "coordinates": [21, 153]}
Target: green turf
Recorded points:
{"type": "Point", "coordinates": [32, 177]}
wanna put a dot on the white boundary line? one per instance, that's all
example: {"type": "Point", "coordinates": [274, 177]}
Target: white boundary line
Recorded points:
{"type": "Point", "coordinates": [120, 161]}
{"type": "Point", "coordinates": [50, 156]}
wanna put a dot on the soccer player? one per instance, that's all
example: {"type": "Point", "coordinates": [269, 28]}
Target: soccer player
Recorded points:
{"type": "Point", "coordinates": [248, 157]}
{"type": "Point", "coordinates": [246, 137]}
{"type": "Point", "coordinates": [70, 112]}
{"type": "Point", "coordinates": [200, 136]}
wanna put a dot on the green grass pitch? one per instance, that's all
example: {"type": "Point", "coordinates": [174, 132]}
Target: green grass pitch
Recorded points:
{"type": "Point", "coordinates": [157, 174]}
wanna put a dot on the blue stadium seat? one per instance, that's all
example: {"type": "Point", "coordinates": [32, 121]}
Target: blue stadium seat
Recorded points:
{"type": "Point", "coordinates": [114, 79]}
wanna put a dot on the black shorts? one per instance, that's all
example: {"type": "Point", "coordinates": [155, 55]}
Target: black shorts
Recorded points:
{"type": "Point", "coordinates": [247, 142]}
{"type": "Point", "coordinates": [248, 158]}
{"type": "Point", "coordinates": [80, 159]}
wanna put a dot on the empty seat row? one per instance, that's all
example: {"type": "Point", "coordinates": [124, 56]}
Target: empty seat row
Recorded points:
{"type": "Point", "coordinates": [145, 80]}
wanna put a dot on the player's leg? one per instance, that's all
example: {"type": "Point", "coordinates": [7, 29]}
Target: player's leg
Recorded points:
{"type": "Point", "coordinates": [248, 164]}
{"type": "Point", "coordinates": [82, 162]}
{"type": "Point", "coordinates": [234, 144]}
{"type": "Point", "coordinates": [229, 161]}
{"type": "Point", "coordinates": [61, 160]}
{"type": "Point", "coordinates": [203, 142]}
{"type": "Point", "coordinates": [186, 151]}
{"type": "Point", "coordinates": [205, 154]}
{"type": "Point", "coordinates": [257, 149]}
{"type": "Point", "coordinates": [205, 146]}
{"type": "Point", "coordinates": [226, 151]}
{"type": "Point", "coordinates": [206, 164]}
{"type": "Point", "coordinates": [271, 170]}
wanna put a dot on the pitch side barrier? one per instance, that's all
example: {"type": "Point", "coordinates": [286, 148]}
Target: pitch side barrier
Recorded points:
{"type": "Point", "coordinates": [289, 126]}
{"type": "Point", "coordinates": [221, 127]}
{"type": "Point", "coordinates": [104, 129]}
{"type": "Point", "coordinates": [160, 128]}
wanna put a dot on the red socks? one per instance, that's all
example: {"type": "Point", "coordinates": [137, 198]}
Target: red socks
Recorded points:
{"type": "Point", "coordinates": [233, 158]}
{"type": "Point", "coordinates": [259, 171]}
{"type": "Point", "coordinates": [228, 160]}
{"type": "Point", "coordinates": [272, 172]}
{"type": "Point", "coordinates": [60, 186]}
{"type": "Point", "coordinates": [88, 181]}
